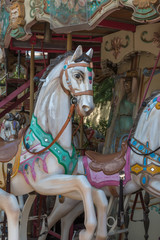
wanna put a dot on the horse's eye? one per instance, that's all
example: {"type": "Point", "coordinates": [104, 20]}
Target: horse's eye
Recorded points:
{"type": "Point", "coordinates": [77, 75]}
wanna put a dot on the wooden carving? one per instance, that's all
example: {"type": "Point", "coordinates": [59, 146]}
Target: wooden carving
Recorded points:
{"type": "Point", "coordinates": [17, 14]}
{"type": "Point", "coordinates": [143, 3]}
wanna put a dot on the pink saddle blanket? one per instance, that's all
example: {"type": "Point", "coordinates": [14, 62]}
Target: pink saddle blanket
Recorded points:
{"type": "Point", "coordinates": [99, 179]}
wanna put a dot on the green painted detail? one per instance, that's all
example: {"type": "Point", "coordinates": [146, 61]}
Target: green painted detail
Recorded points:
{"type": "Point", "coordinates": [106, 48]}
{"type": "Point", "coordinates": [34, 5]}
{"type": "Point", "coordinates": [127, 42]}
{"type": "Point", "coordinates": [156, 208]}
{"type": "Point", "coordinates": [146, 13]}
{"type": "Point", "coordinates": [4, 19]}
{"type": "Point", "coordinates": [89, 69]}
{"type": "Point", "coordinates": [68, 13]}
{"type": "Point", "coordinates": [124, 1]}
{"type": "Point", "coordinates": [143, 38]}
{"type": "Point", "coordinates": [18, 32]}
{"type": "Point", "coordinates": [68, 162]}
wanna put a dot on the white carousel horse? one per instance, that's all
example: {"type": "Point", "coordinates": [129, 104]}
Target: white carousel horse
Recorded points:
{"type": "Point", "coordinates": [46, 168]}
{"type": "Point", "coordinates": [9, 127]}
{"type": "Point", "coordinates": [143, 171]}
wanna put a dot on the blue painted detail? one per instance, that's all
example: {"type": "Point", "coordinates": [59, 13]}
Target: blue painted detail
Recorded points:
{"type": "Point", "coordinates": [140, 147]}
{"type": "Point", "coordinates": [26, 167]}
{"type": "Point", "coordinates": [134, 143]}
{"type": "Point", "coordinates": [155, 99]}
{"type": "Point", "coordinates": [65, 67]}
{"type": "Point", "coordinates": [27, 145]}
{"type": "Point", "coordinates": [145, 149]}
{"type": "Point", "coordinates": [90, 78]}
{"type": "Point", "coordinates": [152, 155]}
{"type": "Point", "coordinates": [144, 180]}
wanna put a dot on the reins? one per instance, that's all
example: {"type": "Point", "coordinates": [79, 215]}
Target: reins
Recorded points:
{"type": "Point", "coordinates": [58, 135]}
{"type": "Point", "coordinates": [76, 130]}
{"type": "Point", "coordinates": [141, 154]}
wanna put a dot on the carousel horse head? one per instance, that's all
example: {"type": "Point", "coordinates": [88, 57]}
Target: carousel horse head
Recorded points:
{"type": "Point", "coordinates": [76, 79]}
{"type": "Point", "coordinates": [10, 127]}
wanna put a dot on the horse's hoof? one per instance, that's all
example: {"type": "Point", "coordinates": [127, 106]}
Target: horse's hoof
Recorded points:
{"type": "Point", "coordinates": [84, 235]}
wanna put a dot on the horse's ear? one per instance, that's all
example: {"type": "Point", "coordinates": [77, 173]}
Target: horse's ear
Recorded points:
{"type": "Point", "coordinates": [78, 52]}
{"type": "Point", "coordinates": [7, 116]}
{"type": "Point", "coordinates": [90, 53]}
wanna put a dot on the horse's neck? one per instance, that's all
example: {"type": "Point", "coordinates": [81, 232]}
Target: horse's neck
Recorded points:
{"type": "Point", "coordinates": [52, 110]}
{"type": "Point", "coordinates": [146, 133]}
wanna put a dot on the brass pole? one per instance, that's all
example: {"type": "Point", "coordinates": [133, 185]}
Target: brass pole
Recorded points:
{"type": "Point", "coordinates": [69, 42]}
{"type": "Point", "coordinates": [32, 82]}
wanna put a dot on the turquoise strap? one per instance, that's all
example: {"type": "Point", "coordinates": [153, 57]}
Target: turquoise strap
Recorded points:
{"type": "Point", "coordinates": [68, 162]}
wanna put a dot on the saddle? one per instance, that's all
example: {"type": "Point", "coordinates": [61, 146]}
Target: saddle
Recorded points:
{"type": "Point", "coordinates": [9, 149]}
{"type": "Point", "coordinates": [108, 163]}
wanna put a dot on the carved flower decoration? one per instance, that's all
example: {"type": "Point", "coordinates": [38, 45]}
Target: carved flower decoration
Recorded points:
{"type": "Point", "coordinates": [143, 3]}
{"type": "Point", "coordinates": [116, 44]}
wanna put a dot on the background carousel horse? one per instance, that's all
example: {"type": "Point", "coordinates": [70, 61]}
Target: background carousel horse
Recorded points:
{"type": "Point", "coordinates": [142, 169]}
{"type": "Point", "coordinates": [47, 168]}
{"type": "Point", "coordinates": [9, 127]}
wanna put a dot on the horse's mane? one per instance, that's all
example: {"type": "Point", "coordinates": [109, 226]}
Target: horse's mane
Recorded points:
{"type": "Point", "coordinates": [144, 104]}
{"type": "Point", "coordinates": [54, 63]}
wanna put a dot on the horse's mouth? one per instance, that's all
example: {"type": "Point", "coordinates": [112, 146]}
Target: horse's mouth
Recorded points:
{"type": "Point", "coordinates": [84, 111]}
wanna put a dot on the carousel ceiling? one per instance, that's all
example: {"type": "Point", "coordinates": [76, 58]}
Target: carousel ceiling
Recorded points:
{"type": "Point", "coordinates": [45, 23]}
{"type": "Point", "coordinates": [55, 43]}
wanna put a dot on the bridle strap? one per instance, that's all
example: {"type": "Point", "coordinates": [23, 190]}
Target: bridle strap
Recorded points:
{"type": "Point", "coordinates": [64, 89]}
{"type": "Point", "coordinates": [58, 135]}
{"type": "Point", "coordinates": [64, 70]}
{"type": "Point", "coordinates": [88, 92]}
{"type": "Point", "coordinates": [141, 154]}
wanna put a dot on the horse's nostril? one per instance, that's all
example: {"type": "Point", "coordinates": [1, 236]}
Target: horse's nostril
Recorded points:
{"type": "Point", "coordinates": [86, 108]}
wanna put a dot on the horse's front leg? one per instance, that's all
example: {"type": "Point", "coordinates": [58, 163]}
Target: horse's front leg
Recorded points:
{"type": "Point", "coordinates": [101, 204]}
{"type": "Point", "coordinates": [9, 204]}
{"type": "Point", "coordinates": [75, 187]}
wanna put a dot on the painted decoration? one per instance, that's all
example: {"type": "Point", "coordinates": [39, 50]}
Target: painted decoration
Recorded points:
{"type": "Point", "coordinates": [115, 46]}
{"type": "Point", "coordinates": [17, 22]}
{"type": "Point", "coordinates": [17, 17]}
{"type": "Point", "coordinates": [66, 13]}
{"type": "Point", "coordinates": [4, 22]}
{"type": "Point", "coordinates": [144, 10]}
